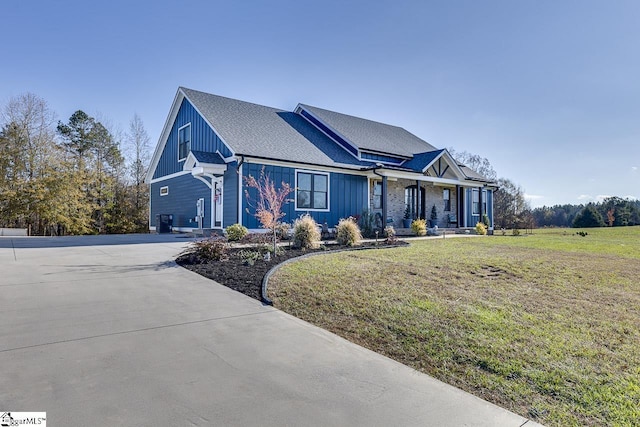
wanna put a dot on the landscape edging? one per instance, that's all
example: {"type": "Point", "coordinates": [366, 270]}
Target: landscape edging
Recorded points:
{"type": "Point", "coordinates": [265, 280]}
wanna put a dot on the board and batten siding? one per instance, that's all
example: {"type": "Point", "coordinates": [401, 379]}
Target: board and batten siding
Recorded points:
{"type": "Point", "coordinates": [203, 138]}
{"type": "Point", "coordinates": [347, 195]}
{"type": "Point", "coordinates": [472, 220]}
{"type": "Point", "coordinates": [184, 192]}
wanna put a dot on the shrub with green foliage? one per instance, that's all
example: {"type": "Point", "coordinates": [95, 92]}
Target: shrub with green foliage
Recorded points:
{"type": "Point", "coordinates": [367, 223]}
{"type": "Point", "coordinates": [481, 229]}
{"type": "Point", "coordinates": [515, 232]}
{"type": "Point", "coordinates": [419, 227]}
{"type": "Point", "coordinates": [236, 232]}
{"type": "Point", "coordinates": [306, 233]}
{"type": "Point", "coordinates": [589, 217]}
{"type": "Point", "coordinates": [248, 256]}
{"type": "Point", "coordinates": [348, 232]}
{"type": "Point", "coordinates": [211, 249]}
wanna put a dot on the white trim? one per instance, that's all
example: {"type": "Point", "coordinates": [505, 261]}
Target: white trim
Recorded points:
{"type": "Point", "coordinates": [295, 190]}
{"type": "Point", "coordinates": [164, 136]}
{"type": "Point", "coordinates": [190, 133]}
{"type": "Point", "coordinates": [294, 165]}
{"type": "Point", "coordinates": [152, 228]}
{"type": "Point", "coordinates": [217, 183]}
{"type": "Point", "coordinates": [198, 168]}
{"type": "Point", "coordinates": [370, 181]}
{"type": "Point", "coordinates": [166, 177]}
{"type": "Point", "coordinates": [166, 187]}
{"type": "Point", "coordinates": [240, 195]}
{"type": "Point", "coordinates": [166, 130]}
{"type": "Point", "coordinates": [452, 163]}
{"type": "Point", "coordinates": [423, 178]}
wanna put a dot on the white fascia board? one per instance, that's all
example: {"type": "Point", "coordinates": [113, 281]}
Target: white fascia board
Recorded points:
{"type": "Point", "coordinates": [423, 178]}
{"type": "Point", "coordinates": [294, 165]}
{"type": "Point", "coordinates": [450, 160]}
{"type": "Point", "coordinates": [162, 141]}
{"type": "Point", "coordinates": [164, 136]}
{"type": "Point", "coordinates": [167, 177]}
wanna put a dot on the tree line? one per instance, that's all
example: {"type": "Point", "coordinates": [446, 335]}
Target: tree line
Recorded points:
{"type": "Point", "coordinates": [612, 211]}
{"type": "Point", "coordinates": [81, 176]}
{"type": "Point", "coordinates": [512, 210]}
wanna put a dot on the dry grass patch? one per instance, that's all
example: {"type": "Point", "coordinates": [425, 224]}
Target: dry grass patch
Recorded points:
{"type": "Point", "coordinates": [542, 325]}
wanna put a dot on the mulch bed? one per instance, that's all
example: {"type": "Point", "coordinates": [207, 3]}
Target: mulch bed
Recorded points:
{"type": "Point", "coordinates": [246, 279]}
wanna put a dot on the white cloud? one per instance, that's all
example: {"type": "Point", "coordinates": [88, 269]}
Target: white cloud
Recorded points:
{"type": "Point", "coordinates": [631, 197]}
{"type": "Point", "coordinates": [532, 196]}
{"type": "Point", "coordinates": [634, 168]}
{"type": "Point", "coordinates": [585, 197]}
{"type": "Point", "coordinates": [601, 197]}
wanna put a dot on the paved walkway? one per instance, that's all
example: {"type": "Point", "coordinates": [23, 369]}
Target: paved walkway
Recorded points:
{"type": "Point", "coordinates": [107, 331]}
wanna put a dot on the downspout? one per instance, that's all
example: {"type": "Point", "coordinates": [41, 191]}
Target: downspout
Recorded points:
{"type": "Point", "coordinates": [239, 172]}
{"type": "Point", "coordinates": [384, 194]}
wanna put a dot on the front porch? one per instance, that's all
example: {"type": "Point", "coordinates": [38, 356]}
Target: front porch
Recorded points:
{"type": "Point", "coordinates": [452, 207]}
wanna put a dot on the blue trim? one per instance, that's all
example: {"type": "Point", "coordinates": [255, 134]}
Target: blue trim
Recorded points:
{"type": "Point", "coordinates": [344, 144]}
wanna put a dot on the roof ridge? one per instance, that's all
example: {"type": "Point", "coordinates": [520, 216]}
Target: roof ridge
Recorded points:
{"type": "Point", "coordinates": [355, 117]}
{"type": "Point", "coordinates": [231, 99]}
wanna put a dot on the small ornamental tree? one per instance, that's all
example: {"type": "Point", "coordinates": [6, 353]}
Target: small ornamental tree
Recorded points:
{"type": "Point", "coordinates": [269, 203]}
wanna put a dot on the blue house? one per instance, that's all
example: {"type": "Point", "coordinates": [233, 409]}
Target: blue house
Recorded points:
{"type": "Point", "coordinates": [339, 166]}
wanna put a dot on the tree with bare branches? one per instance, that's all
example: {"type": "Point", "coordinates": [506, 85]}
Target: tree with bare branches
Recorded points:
{"type": "Point", "coordinates": [269, 203]}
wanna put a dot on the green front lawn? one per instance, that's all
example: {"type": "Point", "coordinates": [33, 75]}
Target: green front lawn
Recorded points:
{"type": "Point", "coordinates": [546, 325]}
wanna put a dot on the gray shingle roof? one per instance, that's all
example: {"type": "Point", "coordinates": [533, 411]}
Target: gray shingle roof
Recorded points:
{"type": "Point", "coordinates": [267, 132]}
{"type": "Point", "coordinates": [369, 135]}
{"type": "Point", "coordinates": [205, 157]}
{"type": "Point", "coordinates": [421, 160]}
{"type": "Point", "coordinates": [260, 131]}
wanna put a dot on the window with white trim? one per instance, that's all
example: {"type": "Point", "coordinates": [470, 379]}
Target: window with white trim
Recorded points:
{"type": "Point", "coordinates": [475, 202]}
{"type": "Point", "coordinates": [164, 191]}
{"type": "Point", "coordinates": [377, 195]}
{"type": "Point", "coordinates": [184, 141]}
{"type": "Point", "coordinates": [446, 195]}
{"type": "Point", "coordinates": [312, 190]}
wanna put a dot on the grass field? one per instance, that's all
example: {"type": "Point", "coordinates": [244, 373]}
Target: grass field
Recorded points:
{"type": "Point", "coordinates": [546, 325]}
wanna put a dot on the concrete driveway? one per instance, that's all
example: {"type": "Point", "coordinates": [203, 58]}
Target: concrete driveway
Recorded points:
{"type": "Point", "coordinates": [108, 331]}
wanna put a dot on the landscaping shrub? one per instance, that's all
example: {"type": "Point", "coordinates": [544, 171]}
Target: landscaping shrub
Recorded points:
{"type": "Point", "coordinates": [282, 231]}
{"type": "Point", "coordinates": [390, 234]}
{"type": "Point", "coordinates": [481, 229]}
{"type": "Point", "coordinates": [515, 232]}
{"type": "Point", "coordinates": [236, 232]}
{"type": "Point", "coordinates": [212, 249]}
{"type": "Point", "coordinates": [306, 233]}
{"type": "Point", "coordinates": [348, 232]}
{"type": "Point", "coordinates": [367, 223]}
{"type": "Point", "coordinates": [419, 227]}
{"type": "Point", "coordinates": [249, 257]}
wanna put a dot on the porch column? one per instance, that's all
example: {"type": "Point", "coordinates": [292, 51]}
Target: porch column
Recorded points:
{"type": "Point", "coordinates": [458, 204]}
{"type": "Point", "coordinates": [417, 199]}
{"type": "Point", "coordinates": [384, 201]}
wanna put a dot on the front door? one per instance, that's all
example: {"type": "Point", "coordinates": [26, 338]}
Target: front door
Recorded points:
{"type": "Point", "coordinates": [216, 211]}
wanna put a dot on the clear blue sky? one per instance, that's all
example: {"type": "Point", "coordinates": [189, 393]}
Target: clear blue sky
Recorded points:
{"type": "Point", "coordinates": [548, 91]}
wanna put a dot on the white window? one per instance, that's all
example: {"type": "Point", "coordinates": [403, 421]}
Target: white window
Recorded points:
{"type": "Point", "coordinates": [475, 202]}
{"type": "Point", "coordinates": [446, 195]}
{"type": "Point", "coordinates": [312, 191]}
{"type": "Point", "coordinates": [377, 195]}
{"type": "Point", "coordinates": [164, 191]}
{"type": "Point", "coordinates": [184, 141]}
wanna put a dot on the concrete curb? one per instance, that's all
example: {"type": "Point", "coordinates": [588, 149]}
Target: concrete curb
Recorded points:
{"type": "Point", "coordinates": [265, 280]}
